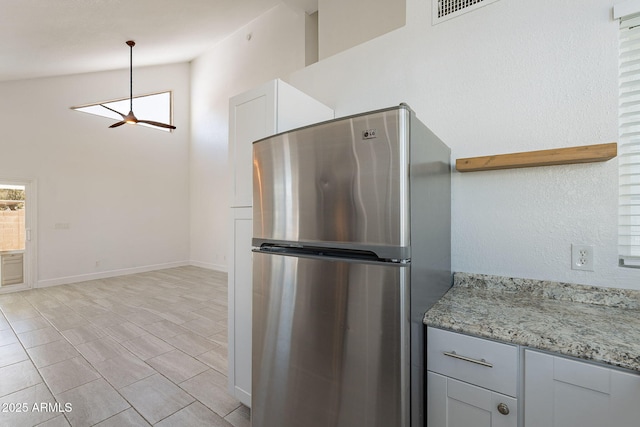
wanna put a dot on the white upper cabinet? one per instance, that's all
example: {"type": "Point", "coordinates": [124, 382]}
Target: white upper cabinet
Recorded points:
{"type": "Point", "coordinates": [272, 108]}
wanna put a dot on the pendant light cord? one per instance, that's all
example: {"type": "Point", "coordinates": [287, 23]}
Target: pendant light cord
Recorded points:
{"type": "Point", "coordinates": [131, 76]}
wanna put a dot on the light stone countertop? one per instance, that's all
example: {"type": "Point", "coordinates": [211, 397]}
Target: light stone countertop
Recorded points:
{"type": "Point", "coordinates": [598, 324]}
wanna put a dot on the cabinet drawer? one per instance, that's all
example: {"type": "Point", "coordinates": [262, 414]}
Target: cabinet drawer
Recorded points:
{"type": "Point", "coordinates": [477, 361]}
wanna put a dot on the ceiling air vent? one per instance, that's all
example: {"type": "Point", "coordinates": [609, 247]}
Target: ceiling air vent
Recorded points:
{"type": "Point", "coordinates": [447, 9]}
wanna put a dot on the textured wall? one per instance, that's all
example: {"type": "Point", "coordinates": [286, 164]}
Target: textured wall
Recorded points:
{"type": "Point", "coordinates": [512, 76]}
{"type": "Point", "coordinates": [345, 24]}
{"type": "Point", "coordinates": [239, 63]}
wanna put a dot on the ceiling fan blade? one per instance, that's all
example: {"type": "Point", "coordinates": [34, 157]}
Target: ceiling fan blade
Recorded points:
{"type": "Point", "coordinates": [115, 125]}
{"type": "Point", "coordinates": [162, 125]}
{"type": "Point", "coordinates": [111, 109]}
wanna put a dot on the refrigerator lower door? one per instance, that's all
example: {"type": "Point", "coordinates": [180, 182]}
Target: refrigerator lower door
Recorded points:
{"type": "Point", "coordinates": [330, 343]}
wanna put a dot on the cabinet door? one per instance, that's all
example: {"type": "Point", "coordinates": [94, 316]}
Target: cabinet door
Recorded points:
{"type": "Point", "coordinates": [561, 392]}
{"type": "Point", "coordinates": [453, 403]}
{"type": "Point", "coordinates": [266, 110]}
{"type": "Point", "coordinates": [252, 116]}
{"type": "Point", "coordinates": [240, 296]}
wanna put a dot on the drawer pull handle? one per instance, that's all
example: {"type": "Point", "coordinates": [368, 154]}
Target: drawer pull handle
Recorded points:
{"type": "Point", "coordinates": [481, 362]}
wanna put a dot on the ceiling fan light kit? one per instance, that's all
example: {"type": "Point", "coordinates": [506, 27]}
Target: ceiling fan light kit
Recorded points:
{"type": "Point", "coordinates": [131, 118]}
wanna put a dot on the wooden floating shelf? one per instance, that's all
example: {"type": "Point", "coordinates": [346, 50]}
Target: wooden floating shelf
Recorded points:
{"type": "Point", "coordinates": [528, 159]}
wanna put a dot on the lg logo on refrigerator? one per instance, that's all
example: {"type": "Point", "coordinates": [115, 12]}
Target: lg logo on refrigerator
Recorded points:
{"type": "Point", "coordinates": [369, 134]}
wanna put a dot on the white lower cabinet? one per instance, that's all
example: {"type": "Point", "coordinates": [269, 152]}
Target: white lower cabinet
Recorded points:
{"type": "Point", "coordinates": [471, 382]}
{"type": "Point", "coordinates": [453, 403]}
{"type": "Point", "coordinates": [474, 382]}
{"type": "Point", "coordinates": [561, 392]}
{"type": "Point", "coordinates": [240, 302]}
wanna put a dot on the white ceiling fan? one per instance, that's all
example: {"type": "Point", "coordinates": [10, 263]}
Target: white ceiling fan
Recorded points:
{"type": "Point", "coordinates": [130, 118]}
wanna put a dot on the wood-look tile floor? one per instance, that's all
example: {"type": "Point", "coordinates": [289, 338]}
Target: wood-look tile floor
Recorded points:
{"type": "Point", "coordinates": [138, 350]}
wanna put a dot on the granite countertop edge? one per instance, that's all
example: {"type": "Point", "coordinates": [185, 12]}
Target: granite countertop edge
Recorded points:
{"type": "Point", "coordinates": [586, 322]}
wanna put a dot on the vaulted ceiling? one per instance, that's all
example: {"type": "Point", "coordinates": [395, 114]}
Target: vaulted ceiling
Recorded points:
{"type": "Point", "coordinates": [46, 38]}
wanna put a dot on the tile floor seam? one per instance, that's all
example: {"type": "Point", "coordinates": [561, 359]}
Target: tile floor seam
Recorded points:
{"type": "Point", "coordinates": [178, 410]}
{"type": "Point", "coordinates": [43, 382]}
{"type": "Point", "coordinates": [178, 385]}
{"type": "Point", "coordinates": [30, 359]}
{"type": "Point", "coordinates": [215, 292]}
{"type": "Point", "coordinates": [130, 407]}
{"type": "Point", "coordinates": [115, 415]}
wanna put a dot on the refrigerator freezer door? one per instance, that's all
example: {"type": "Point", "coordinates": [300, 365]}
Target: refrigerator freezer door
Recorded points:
{"type": "Point", "coordinates": [340, 183]}
{"type": "Point", "coordinates": [330, 343]}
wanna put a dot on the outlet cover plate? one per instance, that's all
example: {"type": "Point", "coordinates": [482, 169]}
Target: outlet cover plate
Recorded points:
{"type": "Point", "coordinates": [582, 257]}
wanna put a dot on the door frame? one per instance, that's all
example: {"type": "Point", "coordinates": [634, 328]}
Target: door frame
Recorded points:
{"type": "Point", "coordinates": [30, 221]}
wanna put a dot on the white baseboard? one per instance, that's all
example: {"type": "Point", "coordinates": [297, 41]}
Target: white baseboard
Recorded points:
{"type": "Point", "coordinates": [105, 274]}
{"type": "Point", "coordinates": [209, 266]}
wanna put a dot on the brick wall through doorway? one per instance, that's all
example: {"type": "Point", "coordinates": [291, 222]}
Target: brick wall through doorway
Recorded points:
{"type": "Point", "coordinates": [12, 230]}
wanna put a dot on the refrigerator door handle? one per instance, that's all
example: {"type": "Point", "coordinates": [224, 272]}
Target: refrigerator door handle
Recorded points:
{"type": "Point", "coordinates": [395, 255]}
{"type": "Point", "coordinates": [327, 253]}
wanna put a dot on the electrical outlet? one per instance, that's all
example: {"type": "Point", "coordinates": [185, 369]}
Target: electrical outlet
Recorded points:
{"type": "Point", "coordinates": [582, 257]}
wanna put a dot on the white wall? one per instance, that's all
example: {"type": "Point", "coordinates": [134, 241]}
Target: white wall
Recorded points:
{"type": "Point", "coordinates": [343, 25]}
{"type": "Point", "coordinates": [512, 76]}
{"type": "Point", "coordinates": [275, 49]}
{"type": "Point", "coordinates": [124, 192]}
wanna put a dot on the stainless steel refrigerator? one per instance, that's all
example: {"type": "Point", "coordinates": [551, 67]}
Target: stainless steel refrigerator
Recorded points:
{"type": "Point", "coordinates": [351, 236]}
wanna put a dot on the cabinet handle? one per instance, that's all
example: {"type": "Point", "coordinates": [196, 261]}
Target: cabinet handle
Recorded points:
{"type": "Point", "coordinates": [503, 409]}
{"type": "Point", "coordinates": [481, 362]}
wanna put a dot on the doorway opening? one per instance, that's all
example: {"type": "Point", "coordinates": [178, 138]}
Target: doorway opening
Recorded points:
{"type": "Point", "coordinates": [14, 236]}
